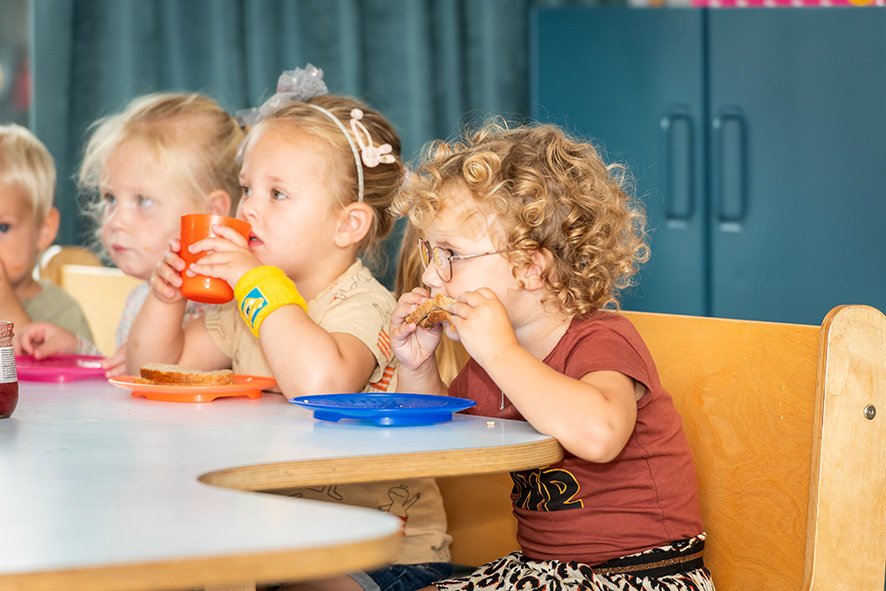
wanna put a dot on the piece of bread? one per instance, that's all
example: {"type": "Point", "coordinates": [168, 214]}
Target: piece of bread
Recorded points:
{"type": "Point", "coordinates": [431, 312]}
{"type": "Point", "coordinates": [164, 373]}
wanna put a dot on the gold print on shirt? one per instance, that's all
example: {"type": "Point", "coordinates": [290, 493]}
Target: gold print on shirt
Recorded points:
{"type": "Point", "coordinates": [545, 490]}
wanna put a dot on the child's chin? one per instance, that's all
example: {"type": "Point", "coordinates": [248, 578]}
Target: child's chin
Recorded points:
{"type": "Point", "coordinates": [129, 268]}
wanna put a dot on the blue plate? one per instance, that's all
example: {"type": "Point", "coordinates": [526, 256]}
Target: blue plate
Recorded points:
{"type": "Point", "coordinates": [387, 410]}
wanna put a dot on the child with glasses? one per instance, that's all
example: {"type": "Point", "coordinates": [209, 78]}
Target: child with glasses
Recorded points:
{"type": "Point", "coordinates": [411, 263]}
{"type": "Point", "coordinates": [534, 236]}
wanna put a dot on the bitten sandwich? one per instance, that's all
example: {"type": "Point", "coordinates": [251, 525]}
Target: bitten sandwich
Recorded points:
{"type": "Point", "coordinates": [431, 312]}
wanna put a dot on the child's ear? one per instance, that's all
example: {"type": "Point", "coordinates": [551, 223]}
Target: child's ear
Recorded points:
{"type": "Point", "coordinates": [356, 221]}
{"type": "Point", "coordinates": [218, 203]}
{"type": "Point", "coordinates": [48, 230]}
{"type": "Point", "coordinates": [533, 274]}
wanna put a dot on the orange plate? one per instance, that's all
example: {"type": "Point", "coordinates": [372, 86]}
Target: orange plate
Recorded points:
{"type": "Point", "coordinates": [244, 385]}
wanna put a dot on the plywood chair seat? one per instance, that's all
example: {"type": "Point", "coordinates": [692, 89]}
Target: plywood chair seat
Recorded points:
{"type": "Point", "coordinates": [786, 424]}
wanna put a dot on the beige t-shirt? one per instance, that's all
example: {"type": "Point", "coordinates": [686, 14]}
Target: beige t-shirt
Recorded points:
{"type": "Point", "coordinates": [416, 501]}
{"type": "Point", "coordinates": [357, 304]}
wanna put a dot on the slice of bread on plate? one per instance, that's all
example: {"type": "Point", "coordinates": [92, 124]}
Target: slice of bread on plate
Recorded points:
{"type": "Point", "coordinates": [431, 312]}
{"type": "Point", "coordinates": [167, 374]}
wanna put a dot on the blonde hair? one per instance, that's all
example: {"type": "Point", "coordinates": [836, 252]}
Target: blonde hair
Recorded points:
{"type": "Point", "coordinates": [187, 133]}
{"type": "Point", "coordinates": [549, 192]}
{"type": "Point", "coordinates": [25, 162]}
{"type": "Point", "coordinates": [380, 183]}
{"type": "Point", "coordinates": [451, 355]}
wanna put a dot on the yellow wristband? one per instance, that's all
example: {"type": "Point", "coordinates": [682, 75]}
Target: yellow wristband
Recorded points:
{"type": "Point", "coordinates": [261, 291]}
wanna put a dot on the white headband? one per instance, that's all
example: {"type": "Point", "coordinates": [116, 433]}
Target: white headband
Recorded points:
{"type": "Point", "coordinates": [341, 126]}
{"type": "Point", "coordinates": [299, 85]}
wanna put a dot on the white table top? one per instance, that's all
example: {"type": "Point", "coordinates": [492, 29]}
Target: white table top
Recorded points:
{"type": "Point", "coordinates": [94, 479]}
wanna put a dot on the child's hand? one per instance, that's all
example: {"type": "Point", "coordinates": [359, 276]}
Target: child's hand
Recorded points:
{"type": "Point", "coordinates": [166, 278]}
{"type": "Point", "coordinates": [230, 258]}
{"type": "Point", "coordinates": [412, 345]}
{"type": "Point", "coordinates": [115, 365]}
{"type": "Point", "coordinates": [44, 339]}
{"type": "Point", "coordinates": [483, 325]}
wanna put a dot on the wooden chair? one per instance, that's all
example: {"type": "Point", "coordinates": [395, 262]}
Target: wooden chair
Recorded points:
{"type": "Point", "coordinates": [101, 293]}
{"type": "Point", "coordinates": [55, 257]}
{"type": "Point", "coordinates": [786, 424]}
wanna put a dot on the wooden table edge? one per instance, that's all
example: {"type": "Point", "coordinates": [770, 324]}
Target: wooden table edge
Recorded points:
{"type": "Point", "coordinates": [216, 571]}
{"type": "Point", "coordinates": [378, 468]}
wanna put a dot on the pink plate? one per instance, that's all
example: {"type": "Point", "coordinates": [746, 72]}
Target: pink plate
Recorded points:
{"type": "Point", "coordinates": [59, 368]}
{"type": "Point", "coordinates": [244, 385]}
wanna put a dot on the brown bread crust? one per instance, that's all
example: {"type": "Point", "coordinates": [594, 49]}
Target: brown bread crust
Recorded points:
{"type": "Point", "coordinates": [162, 373]}
{"type": "Point", "coordinates": [431, 312]}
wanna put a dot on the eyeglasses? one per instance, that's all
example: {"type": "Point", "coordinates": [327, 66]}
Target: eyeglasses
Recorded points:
{"type": "Point", "coordinates": [443, 258]}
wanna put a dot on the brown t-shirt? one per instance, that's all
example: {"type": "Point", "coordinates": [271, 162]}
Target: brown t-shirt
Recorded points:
{"type": "Point", "coordinates": [589, 512]}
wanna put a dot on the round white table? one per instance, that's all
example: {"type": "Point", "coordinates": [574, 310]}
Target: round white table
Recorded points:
{"type": "Point", "coordinates": [103, 490]}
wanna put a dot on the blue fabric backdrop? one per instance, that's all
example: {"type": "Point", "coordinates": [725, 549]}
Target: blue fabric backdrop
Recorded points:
{"type": "Point", "coordinates": [428, 65]}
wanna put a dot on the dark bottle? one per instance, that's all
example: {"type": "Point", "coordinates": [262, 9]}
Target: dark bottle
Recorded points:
{"type": "Point", "coordinates": [8, 375]}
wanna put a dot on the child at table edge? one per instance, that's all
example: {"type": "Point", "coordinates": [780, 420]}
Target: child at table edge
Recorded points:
{"type": "Point", "coordinates": [28, 225]}
{"type": "Point", "coordinates": [163, 156]}
{"type": "Point", "coordinates": [534, 235]}
{"type": "Point", "coordinates": [318, 175]}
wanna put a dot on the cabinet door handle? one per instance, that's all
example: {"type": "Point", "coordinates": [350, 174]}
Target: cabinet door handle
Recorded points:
{"type": "Point", "coordinates": [729, 168]}
{"type": "Point", "coordinates": [676, 141]}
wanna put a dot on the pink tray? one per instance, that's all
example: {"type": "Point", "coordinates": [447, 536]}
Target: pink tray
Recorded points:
{"type": "Point", "coordinates": [59, 368]}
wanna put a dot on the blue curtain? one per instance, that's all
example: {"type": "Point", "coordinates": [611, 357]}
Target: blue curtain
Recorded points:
{"type": "Point", "coordinates": [428, 65]}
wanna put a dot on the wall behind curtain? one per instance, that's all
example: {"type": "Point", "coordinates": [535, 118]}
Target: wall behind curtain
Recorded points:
{"type": "Point", "coordinates": [428, 65]}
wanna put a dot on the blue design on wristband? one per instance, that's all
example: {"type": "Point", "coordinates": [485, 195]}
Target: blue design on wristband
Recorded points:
{"type": "Point", "coordinates": [252, 304]}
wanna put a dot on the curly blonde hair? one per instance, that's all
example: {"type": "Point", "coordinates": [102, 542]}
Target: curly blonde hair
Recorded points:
{"type": "Point", "coordinates": [548, 192]}
{"type": "Point", "coordinates": [190, 134]}
{"type": "Point", "coordinates": [380, 183]}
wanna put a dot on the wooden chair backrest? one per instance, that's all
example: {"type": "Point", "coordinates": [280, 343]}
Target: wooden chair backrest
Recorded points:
{"type": "Point", "coordinates": [55, 257]}
{"type": "Point", "coordinates": [790, 467]}
{"type": "Point", "coordinates": [101, 293]}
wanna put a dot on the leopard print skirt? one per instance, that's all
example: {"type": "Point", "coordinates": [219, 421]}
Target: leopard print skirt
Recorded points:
{"type": "Point", "coordinates": [674, 567]}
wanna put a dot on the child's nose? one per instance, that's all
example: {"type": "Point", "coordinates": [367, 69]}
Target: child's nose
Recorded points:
{"type": "Point", "coordinates": [430, 276]}
{"type": "Point", "coordinates": [247, 210]}
{"type": "Point", "coordinates": [118, 218]}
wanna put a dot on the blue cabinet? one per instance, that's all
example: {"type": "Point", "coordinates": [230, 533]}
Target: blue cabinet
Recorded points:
{"type": "Point", "coordinates": [758, 139]}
